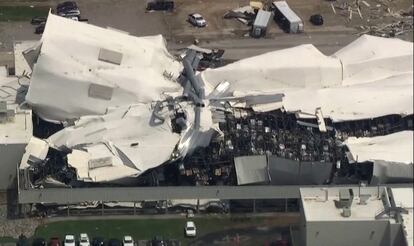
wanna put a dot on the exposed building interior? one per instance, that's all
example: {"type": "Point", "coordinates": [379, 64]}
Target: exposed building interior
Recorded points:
{"type": "Point", "coordinates": [142, 117]}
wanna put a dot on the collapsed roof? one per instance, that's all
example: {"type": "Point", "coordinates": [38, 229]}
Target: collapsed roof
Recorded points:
{"type": "Point", "coordinates": [124, 137]}
{"type": "Point", "coordinates": [101, 68]}
{"type": "Point", "coordinates": [360, 71]}
{"type": "Point", "coordinates": [392, 156]}
{"type": "Point", "coordinates": [396, 147]}
{"type": "Point", "coordinates": [128, 109]}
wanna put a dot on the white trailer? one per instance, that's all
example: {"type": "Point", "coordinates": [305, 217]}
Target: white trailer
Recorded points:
{"type": "Point", "coordinates": [288, 20]}
{"type": "Point", "coordinates": [260, 23]}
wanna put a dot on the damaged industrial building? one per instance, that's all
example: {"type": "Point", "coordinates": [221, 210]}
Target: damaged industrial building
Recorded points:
{"type": "Point", "coordinates": [101, 108]}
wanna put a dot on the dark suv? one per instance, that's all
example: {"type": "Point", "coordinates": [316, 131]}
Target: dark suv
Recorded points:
{"type": "Point", "coordinates": [160, 5]}
{"type": "Point", "coordinates": [157, 241]}
{"type": "Point", "coordinates": [66, 6]}
{"type": "Point", "coordinates": [39, 242]}
{"type": "Point", "coordinates": [97, 241]}
{"type": "Point", "coordinates": [317, 20]}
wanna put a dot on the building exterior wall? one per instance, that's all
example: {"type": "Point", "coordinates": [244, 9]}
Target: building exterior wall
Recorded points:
{"type": "Point", "coordinates": [10, 157]}
{"type": "Point", "coordinates": [347, 233]}
{"type": "Point", "coordinates": [302, 227]}
{"type": "Point", "coordinates": [397, 237]}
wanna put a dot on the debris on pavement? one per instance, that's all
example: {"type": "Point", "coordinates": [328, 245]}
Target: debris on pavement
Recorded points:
{"type": "Point", "coordinates": [245, 15]}
{"type": "Point", "coordinates": [375, 17]}
{"type": "Point", "coordinates": [388, 30]}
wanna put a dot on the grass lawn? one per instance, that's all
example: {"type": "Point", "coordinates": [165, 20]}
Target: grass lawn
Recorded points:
{"type": "Point", "coordinates": [21, 13]}
{"type": "Point", "coordinates": [141, 229]}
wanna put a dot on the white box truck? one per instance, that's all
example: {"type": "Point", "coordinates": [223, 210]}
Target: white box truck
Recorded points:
{"type": "Point", "coordinates": [284, 16]}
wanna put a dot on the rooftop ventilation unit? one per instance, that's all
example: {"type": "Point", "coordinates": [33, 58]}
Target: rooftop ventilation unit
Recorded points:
{"type": "Point", "coordinates": [346, 197]}
{"type": "Point", "coordinates": [363, 198]}
{"type": "Point", "coordinates": [110, 56]}
{"type": "Point", "coordinates": [3, 107]}
{"type": "Point", "coordinates": [100, 162]}
{"type": "Point", "coordinates": [100, 92]}
{"type": "Point", "coordinates": [346, 212]}
{"type": "Point", "coordinates": [5, 114]}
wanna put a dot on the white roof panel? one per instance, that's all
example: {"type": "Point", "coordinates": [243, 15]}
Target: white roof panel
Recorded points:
{"type": "Point", "coordinates": [68, 64]}
{"type": "Point", "coordinates": [278, 70]}
{"type": "Point", "coordinates": [137, 148]}
{"type": "Point", "coordinates": [361, 81]}
{"type": "Point", "coordinates": [396, 147]}
{"type": "Point", "coordinates": [371, 58]}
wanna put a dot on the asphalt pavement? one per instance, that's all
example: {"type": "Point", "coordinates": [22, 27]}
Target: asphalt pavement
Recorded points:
{"type": "Point", "coordinates": [130, 16]}
{"type": "Point", "coordinates": [235, 49]}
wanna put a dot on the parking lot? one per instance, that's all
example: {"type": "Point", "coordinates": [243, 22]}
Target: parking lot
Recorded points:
{"type": "Point", "coordinates": [211, 230]}
{"type": "Point", "coordinates": [230, 34]}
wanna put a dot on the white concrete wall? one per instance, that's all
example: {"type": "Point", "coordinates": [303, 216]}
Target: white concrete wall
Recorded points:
{"type": "Point", "coordinates": [10, 156]}
{"type": "Point", "coordinates": [346, 233]}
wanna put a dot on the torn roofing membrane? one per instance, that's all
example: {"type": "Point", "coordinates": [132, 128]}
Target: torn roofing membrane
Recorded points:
{"type": "Point", "coordinates": [396, 147]}
{"type": "Point", "coordinates": [133, 139]}
{"type": "Point", "coordinates": [361, 71]}
{"type": "Point", "coordinates": [84, 84]}
{"type": "Point", "coordinates": [108, 82]}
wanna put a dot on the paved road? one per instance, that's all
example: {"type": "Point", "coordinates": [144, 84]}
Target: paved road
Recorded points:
{"type": "Point", "coordinates": [130, 16]}
{"type": "Point", "coordinates": [328, 43]}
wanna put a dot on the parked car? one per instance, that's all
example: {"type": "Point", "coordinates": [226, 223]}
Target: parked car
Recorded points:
{"type": "Point", "coordinates": [160, 5]}
{"type": "Point", "coordinates": [69, 240]}
{"type": "Point", "coordinates": [197, 20]}
{"type": "Point", "coordinates": [65, 6]}
{"type": "Point", "coordinates": [68, 8]}
{"type": "Point", "coordinates": [157, 241]}
{"type": "Point", "coordinates": [190, 229]}
{"type": "Point", "coordinates": [39, 242]}
{"type": "Point", "coordinates": [40, 29]}
{"type": "Point", "coordinates": [75, 18]}
{"type": "Point", "coordinates": [190, 213]}
{"type": "Point", "coordinates": [317, 20]}
{"type": "Point", "coordinates": [97, 241]}
{"type": "Point", "coordinates": [114, 242]}
{"type": "Point", "coordinates": [38, 20]}
{"type": "Point", "coordinates": [84, 240]}
{"type": "Point", "coordinates": [54, 241]}
{"type": "Point", "coordinates": [128, 241]}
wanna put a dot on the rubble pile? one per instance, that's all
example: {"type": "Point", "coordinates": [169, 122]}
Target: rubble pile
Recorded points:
{"type": "Point", "coordinates": [245, 15]}
{"type": "Point", "coordinates": [391, 22]}
{"type": "Point", "coordinates": [388, 30]}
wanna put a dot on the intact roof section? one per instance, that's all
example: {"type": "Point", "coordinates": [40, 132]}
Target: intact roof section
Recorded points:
{"type": "Point", "coordinates": [319, 204]}
{"type": "Point", "coordinates": [371, 58]}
